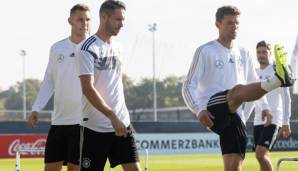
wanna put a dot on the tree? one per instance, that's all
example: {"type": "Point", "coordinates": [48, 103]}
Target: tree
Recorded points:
{"type": "Point", "coordinates": [129, 91]}
{"type": "Point", "coordinates": [141, 95]}
{"type": "Point", "coordinates": [15, 97]}
{"type": "Point", "coordinates": [172, 91]}
{"type": "Point", "coordinates": [3, 97]}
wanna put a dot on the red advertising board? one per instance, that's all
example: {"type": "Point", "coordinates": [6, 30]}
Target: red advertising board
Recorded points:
{"type": "Point", "coordinates": [11, 143]}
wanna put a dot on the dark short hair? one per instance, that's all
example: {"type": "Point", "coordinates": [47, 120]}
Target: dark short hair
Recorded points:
{"type": "Point", "coordinates": [79, 7]}
{"type": "Point", "coordinates": [110, 5]}
{"type": "Point", "coordinates": [226, 10]}
{"type": "Point", "coordinates": [265, 44]}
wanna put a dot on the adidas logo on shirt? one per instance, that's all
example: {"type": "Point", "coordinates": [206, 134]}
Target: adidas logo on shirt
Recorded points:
{"type": "Point", "coordinates": [231, 60]}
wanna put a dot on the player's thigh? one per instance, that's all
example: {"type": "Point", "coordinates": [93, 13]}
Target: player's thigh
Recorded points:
{"type": "Point", "coordinates": [268, 136]}
{"type": "Point", "coordinates": [218, 107]}
{"type": "Point", "coordinates": [124, 150]}
{"type": "Point", "coordinates": [56, 146]}
{"type": "Point", "coordinates": [234, 138]}
{"type": "Point", "coordinates": [73, 144]}
{"type": "Point", "coordinates": [131, 166]}
{"type": "Point", "coordinates": [257, 132]}
{"type": "Point", "coordinates": [94, 149]}
{"type": "Point", "coordinates": [55, 166]}
{"type": "Point", "coordinates": [73, 167]}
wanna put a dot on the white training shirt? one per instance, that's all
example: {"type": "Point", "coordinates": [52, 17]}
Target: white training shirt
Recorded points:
{"type": "Point", "coordinates": [103, 61]}
{"type": "Point", "coordinates": [294, 64]}
{"type": "Point", "coordinates": [215, 68]}
{"type": "Point", "coordinates": [61, 79]}
{"type": "Point", "coordinates": [279, 101]}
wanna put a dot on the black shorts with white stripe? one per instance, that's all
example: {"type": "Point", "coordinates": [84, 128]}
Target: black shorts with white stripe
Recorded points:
{"type": "Point", "coordinates": [233, 138]}
{"type": "Point", "coordinates": [218, 107]}
{"type": "Point", "coordinates": [265, 135]}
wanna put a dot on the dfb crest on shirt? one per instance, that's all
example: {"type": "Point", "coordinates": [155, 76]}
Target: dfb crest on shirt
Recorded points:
{"type": "Point", "coordinates": [60, 58]}
{"type": "Point", "coordinates": [219, 63]}
{"type": "Point", "coordinates": [86, 162]}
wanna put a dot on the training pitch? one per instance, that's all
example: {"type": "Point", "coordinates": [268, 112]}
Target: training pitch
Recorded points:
{"type": "Point", "coordinates": [196, 162]}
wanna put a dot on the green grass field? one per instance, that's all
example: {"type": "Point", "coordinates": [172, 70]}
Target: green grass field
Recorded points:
{"type": "Point", "coordinates": [204, 162]}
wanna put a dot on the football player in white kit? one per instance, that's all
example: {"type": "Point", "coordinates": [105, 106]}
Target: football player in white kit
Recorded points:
{"type": "Point", "coordinates": [60, 79]}
{"type": "Point", "coordinates": [294, 64]}
{"type": "Point", "coordinates": [106, 131]}
{"type": "Point", "coordinates": [214, 88]}
{"type": "Point", "coordinates": [280, 108]}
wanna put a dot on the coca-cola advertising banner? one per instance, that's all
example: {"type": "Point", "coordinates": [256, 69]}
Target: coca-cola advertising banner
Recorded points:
{"type": "Point", "coordinates": [11, 143]}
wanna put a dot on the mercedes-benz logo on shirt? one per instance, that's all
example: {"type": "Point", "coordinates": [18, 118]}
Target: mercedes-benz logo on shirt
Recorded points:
{"type": "Point", "coordinates": [219, 64]}
{"type": "Point", "coordinates": [60, 58]}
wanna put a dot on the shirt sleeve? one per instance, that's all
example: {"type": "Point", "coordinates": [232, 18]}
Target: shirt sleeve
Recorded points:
{"type": "Point", "coordinates": [190, 85]}
{"type": "Point", "coordinates": [46, 87]}
{"type": "Point", "coordinates": [85, 62]}
{"type": "Point", "coordinates": [294, 60]}
{"type": "Point", "coordinates": [295, 51]}
{"type": "Point", "coordinates": [286, 105]}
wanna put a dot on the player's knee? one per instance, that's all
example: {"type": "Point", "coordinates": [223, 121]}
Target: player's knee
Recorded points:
{"type": "Point", "coordinates": [235, 95]}
{"type": "Point", "coordinates": [260, 156]}
{"type": "Point", "coordinates": [235, 165]}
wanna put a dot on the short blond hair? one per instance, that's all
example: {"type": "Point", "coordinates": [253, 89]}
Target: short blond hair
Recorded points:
{"type": "Point", "coordinates": [79, 7]}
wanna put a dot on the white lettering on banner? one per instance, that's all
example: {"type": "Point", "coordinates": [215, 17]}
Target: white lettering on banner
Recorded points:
{"type": "Point", "coordinates": [17, 145]}
{"type": "Point", "coordinates": [286, 144]}
{"type": "Point", "coordinates": [179, 143]}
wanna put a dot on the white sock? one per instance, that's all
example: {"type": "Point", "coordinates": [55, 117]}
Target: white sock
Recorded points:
{"type": "Point", "coordinates": [270, 83]}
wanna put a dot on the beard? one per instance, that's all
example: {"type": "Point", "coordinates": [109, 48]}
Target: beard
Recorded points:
{"type": "Point", "coordinates": [111, 30]}
{"type": "Point", "coordinates": [263, 62]}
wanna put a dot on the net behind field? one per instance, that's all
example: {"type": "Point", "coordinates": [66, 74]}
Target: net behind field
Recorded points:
{"type": "Point", "coordinates": [17, 115]}
{"type": "Point", "coordinates": [181, 113]}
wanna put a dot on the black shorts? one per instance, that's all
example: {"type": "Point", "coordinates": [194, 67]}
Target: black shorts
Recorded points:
{"type": "Point", "coordinates": [230, 128]}
{"type": "Point", "coordinates": [218, 107]}
{"type": "Point", "coordinates": [63, 144]}
{"type": "Point", "coordinates": [96, 147]}
{"type": "Point", "coordinates": [265, 136]}
{"type": "Point", "coordinates": [233, 138]}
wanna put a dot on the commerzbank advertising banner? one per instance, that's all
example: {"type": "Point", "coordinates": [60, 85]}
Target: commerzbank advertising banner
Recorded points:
{"type": "Point", "coordinates": [178, 143]}
{"type": "Point", "coordinates": [192, 143]}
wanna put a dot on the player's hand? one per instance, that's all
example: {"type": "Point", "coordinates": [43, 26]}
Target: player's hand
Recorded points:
{"type": "Point", "coordinates": [267, 115]}
{"type": "Point", "coordinates": [33, 119]}
{"type": "Point", "coordinates": [120, 128]}
{"type": "Point", "coordinates": [205, 118]}
{"type": "Point", "coordinates": [286, 131]}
